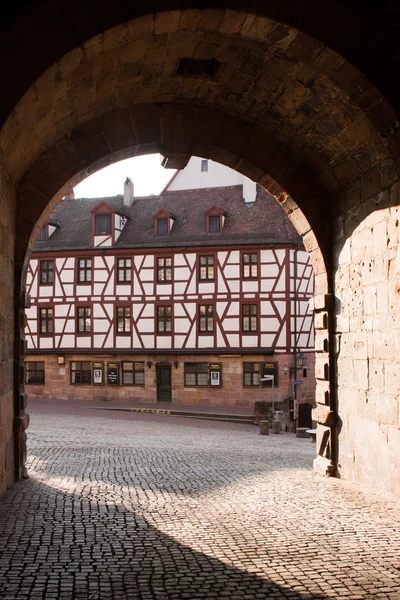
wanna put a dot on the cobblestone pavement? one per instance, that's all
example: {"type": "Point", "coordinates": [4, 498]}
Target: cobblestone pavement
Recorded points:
{"type": "Point", "coordinates": [152, 507]}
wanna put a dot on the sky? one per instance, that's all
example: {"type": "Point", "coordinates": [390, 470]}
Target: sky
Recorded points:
{"type": "Point", "coordinates": [146, 172]}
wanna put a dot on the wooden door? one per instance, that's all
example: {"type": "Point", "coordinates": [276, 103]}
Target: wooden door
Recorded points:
{"type": "Point", "coordinates": [305, 415]}
{"type": "Point", "coordinates": [164, 392]}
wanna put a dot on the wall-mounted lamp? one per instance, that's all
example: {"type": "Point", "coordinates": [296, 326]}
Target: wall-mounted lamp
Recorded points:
{"type": "Point", "coordinates": [285, 370]}
{"type": "Point", "coordinates": [301, 360]}
{"type": "Point", "coordinates": [176, 364]}
{"type": "Point", "coordinates": [149, 363]}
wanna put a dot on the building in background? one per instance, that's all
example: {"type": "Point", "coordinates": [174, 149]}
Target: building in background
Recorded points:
{"type": "Point", "coordinates": [170, 298]}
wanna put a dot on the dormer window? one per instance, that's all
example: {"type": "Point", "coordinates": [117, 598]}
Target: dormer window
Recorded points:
{"type": "Point", "coordinates": [163, 221]}
{"type": "Point", "coordinates": [107, 224]}
{"type": "Point", "coordinates": [102, 224]}
{"type": "Point", "coordinates": [162, 227]}
{"type": "Point", "coordinates": [215, 220]}
{"type": "Point", "coordinates": [47, 230]}
{"type": "Point", "coordinates": [42, 237]}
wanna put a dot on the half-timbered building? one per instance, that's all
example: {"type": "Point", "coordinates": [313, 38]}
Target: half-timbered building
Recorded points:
{"type": "Point", "coordinates": [169, 297]}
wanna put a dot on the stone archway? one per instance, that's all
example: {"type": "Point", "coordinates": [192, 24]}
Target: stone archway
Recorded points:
{"type": "Point", "coordinates": [282, 108]}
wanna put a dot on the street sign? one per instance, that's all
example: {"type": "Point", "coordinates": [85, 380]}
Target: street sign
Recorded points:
{"type": "Point", "coordinates": [298, 381]}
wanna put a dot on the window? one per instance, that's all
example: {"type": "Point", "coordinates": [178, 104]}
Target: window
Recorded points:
{"type": "Point", "coordinates": [123, 319]}
{"type": "Point", "coordinates": [46, 321]}
{"type": "Point", "coordinates": [214, 224]}
{"type": "Point", "coordinates": [206, 318]}
{"type": "Point", "coordinates": [162, 226]}
{"type": "Point", "coordinates": [196, 374]}
{"type": "Point", "coordinates": [164, 269]}
{"type": "Point", "coordinates": [102, 224]}
{"type": "Point", "coordinates": [162, 222]}
{"type": "Point", "coordinates": [304, 372]}
{"type": "Point", "coordinates": [124, 270]}
{"type": "Point", "coordinates": [84, 319]}
{"type": "Point", "coordinates": [164, 321]}
{"type": "Point", "coordinates": [206, 271]}
{"type": "Point", "coordinates": [249, 317]}
{"type": "Point", "coordinates": [42, 237]}
{"type": "Point", "coordinates": [81, 373]}
{"type": "Point", "coordinates": [251, 373]}
{"type": "Point", "coordinates": [250, 266]}
{"type": "Point", "coordinates": [46, 272]}
{"type": "Point", "coordinates": [133, 373]}
{"type": "Point", "coordinates": [84, 270]}
{"type": "Point", "coordinates": [204, 166]}
{"type": "Point", "coordinates": [34, 373]}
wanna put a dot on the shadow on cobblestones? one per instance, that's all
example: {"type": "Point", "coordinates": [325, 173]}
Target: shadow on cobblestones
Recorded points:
{"type": "Point", "coordinates": [163, 509]}
{"type": "Point", "coordinates": [60, 545]}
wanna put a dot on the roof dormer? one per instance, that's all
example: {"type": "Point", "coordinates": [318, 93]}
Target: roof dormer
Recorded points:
{"type": "Point", "coordinates": [47, 230]}
{"type": "Point", "coordinates": [107, 225]}
{"type": "Point", "coordinates": [215, 220]}
{"type": "Point", "coordinates": [163, 221]}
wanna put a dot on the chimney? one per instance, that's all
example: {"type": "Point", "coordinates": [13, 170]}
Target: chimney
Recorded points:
{"type": "Point", "coordinates": [128, 192]}
{"type": "Point", "coordinates": [249, 190]}
{"type": "Point", "coordinates": [70, 195]}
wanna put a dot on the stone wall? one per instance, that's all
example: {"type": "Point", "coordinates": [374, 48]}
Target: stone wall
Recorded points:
{"type": "Point", "coordinates": [232, 393]}
{"type": "Point", "coordinates": [367, 282]}
{"type": "Point", "coordinates": [7, 225]}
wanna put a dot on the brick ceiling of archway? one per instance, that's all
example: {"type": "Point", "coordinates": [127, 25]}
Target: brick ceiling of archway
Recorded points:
{"type": "Point", "coordinates": [364, 33]}
{"type": "Point", "coordinates": [271, 77]}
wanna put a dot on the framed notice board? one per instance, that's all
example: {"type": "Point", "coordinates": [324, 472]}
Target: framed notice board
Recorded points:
{"type": "Point", "coordinates": [112, 373]}
{"type": "Point", "coordinates": [215, 374]}
{"type": "Point", "coordinates": [270, 368]}
{"type": "Point", "coordinates": [98, 373]}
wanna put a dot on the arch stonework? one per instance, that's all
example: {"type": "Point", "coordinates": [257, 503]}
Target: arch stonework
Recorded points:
{"type": "Point", "coordinates": [283, 109]}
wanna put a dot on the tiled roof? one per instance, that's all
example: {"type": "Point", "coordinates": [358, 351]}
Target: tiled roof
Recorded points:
{"type": "Point", "coordinates": [262, 222]}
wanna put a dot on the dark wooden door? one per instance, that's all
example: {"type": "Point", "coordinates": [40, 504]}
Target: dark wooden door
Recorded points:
{"type": "Point", "coordinates": [305, 415]}
{"type": "Point", "coordinates": [164, 383]}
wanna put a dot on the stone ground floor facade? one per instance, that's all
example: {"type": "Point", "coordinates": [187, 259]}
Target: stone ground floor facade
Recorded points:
{"type": "Point", "coordinates": [156, 507]}
{"type": "Point", "coordinates": [201, 380]}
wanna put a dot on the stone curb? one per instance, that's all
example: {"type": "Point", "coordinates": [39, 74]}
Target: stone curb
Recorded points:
{"type": "Point", "coordinates": [177, 413]}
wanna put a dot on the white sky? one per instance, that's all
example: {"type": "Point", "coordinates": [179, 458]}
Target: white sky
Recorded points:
{"type": "Point", "coordinates": [146, 172]}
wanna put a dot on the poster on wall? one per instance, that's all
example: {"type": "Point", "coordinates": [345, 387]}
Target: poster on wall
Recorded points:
{"type": "Point", "coordinates": [112, 373]}
{"type": "Point", "coordinates": [215, 374]}
{"type": "Point", "coordinates": [98, 373]}
{"type": "Point", "coordinates": [268, 370]}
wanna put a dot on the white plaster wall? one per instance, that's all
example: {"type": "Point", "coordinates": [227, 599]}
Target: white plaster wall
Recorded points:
{"type": "Point", "coordinates": [206, 341]}
{"type": "Point", "coordinates": [148, 341]}
{"type": "Point", "coordinates": [191, 177]}
{"type": "Point", "coordinates": [181, 325]}
{"type": "Point", "coordinates": [233, 340]}
{"type": "Point", "coordinates": [232, 272]}
{"type": "Point", "coordinates": [249, 341]}
{"type": "Point", "coordinates": [68, 341]}
{"type": "Point", "coordinates": [206, 288]}
{"type": "Point", "coordinates": [145, 326]}
{"type": "Point", "coordinates": [102, 240]}
{"type": "Point", "coordinates": [165, 289]}
{"type": "Point", "coordinates": [231, 324]}
{"type": "Point", "coordinates": [164, 341]}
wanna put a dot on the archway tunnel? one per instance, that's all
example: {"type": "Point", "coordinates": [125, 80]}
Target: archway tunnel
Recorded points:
{"type": "Point", "coordinates": [264, 94]}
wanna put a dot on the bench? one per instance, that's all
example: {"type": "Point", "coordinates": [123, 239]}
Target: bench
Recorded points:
{"type": "Point", "coordinates": [313, 434]}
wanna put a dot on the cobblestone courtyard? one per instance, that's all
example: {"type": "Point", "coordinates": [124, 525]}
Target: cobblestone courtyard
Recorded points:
{"type": "Point", "coordinates": [157, 507]}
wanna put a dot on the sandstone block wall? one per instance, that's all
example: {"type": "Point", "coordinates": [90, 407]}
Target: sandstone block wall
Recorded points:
{"type": "Point", "coordinates": [367, 282]}
{"type": "Point", "coordinates": [7, 238]}
{"type": "Point", "coordinates": [232, 393]}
